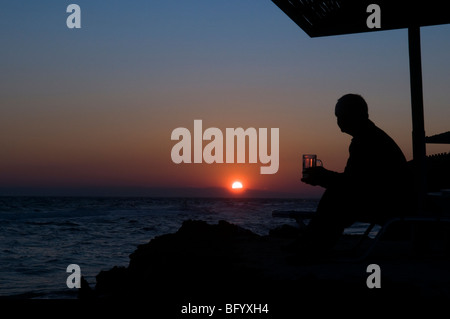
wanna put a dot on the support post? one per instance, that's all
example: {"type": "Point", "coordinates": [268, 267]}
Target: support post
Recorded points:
{"type": "Point", "coordinates": [418, 126]}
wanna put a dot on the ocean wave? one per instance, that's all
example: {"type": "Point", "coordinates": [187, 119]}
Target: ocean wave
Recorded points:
{"type": "Point", "coordinates": [41, 236]}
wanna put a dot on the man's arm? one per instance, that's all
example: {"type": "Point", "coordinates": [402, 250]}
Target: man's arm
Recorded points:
{"type": "Point", "coordinates": [322, 177]}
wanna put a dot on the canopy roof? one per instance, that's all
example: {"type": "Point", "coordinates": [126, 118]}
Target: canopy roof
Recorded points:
{"type": "Point", "coordinates": [334, 17]}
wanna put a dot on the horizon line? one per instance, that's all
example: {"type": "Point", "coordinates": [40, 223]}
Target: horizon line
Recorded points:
{"type": "Point", "coordinates": [142, 191]}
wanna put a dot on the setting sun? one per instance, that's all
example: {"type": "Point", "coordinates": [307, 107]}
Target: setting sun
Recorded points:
{"type": "Point", "coordinates": [237, 185]}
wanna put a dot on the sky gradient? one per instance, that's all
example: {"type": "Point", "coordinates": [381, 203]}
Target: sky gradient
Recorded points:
{"type": "Point", "coordinates": [95, 107]}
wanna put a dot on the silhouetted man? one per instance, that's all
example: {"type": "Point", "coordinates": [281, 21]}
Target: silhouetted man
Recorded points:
{"type": "Point", "coordinates": [373, 187]}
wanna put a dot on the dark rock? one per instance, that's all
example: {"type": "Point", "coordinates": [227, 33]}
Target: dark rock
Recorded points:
{"type": "Point", "coordinates": [198, 257]}
{"type": "Point", "coordinates": [224, 263]}
{"type": "Point", "coordinates": [285, 231]}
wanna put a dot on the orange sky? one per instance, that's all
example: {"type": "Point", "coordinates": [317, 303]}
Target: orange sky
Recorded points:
{"type": "Point", "coordinates": [96, 106]}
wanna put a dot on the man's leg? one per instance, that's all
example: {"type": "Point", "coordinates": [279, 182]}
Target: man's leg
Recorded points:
{"type": "Point", "coordinates": [333, 215]}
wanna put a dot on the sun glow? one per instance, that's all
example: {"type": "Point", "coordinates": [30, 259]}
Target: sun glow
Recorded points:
{"type": "Point", "coordinates": [237, 185]}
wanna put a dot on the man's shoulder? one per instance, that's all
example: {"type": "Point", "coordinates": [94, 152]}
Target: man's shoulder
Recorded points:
{"type": "Point", "coordinates": [386, 142]}
{"type": "Point", "coordinates": [377, 133]}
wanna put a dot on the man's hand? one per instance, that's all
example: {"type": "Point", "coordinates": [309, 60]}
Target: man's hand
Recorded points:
{"type": "Point", "coordinates": [317, 176]}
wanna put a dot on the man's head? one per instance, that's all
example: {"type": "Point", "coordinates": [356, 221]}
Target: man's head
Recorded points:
{"type": "Point", "coordinates": [352, 113]}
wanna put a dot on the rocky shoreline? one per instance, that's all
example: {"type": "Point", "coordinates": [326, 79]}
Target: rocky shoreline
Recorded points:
{"type": "Point", "coordinates": [226, 264]}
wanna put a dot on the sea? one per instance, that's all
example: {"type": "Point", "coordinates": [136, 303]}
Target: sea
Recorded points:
{"type": "Point", "coordinates": [41, 236]}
